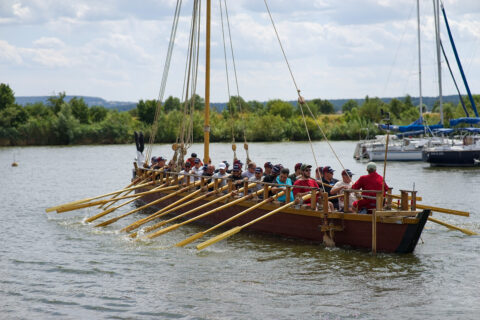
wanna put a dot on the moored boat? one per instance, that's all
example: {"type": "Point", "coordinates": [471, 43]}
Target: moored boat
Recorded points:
{"type": "Point", "coordinates": [465, 154]}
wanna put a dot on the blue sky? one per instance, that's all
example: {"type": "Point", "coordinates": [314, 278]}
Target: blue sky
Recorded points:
{"type": "Point", "coordinates": [115, 49]}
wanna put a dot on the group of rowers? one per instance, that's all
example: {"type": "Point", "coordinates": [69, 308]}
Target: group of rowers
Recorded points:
{"type": "Point", "coordinates": [193, 170]}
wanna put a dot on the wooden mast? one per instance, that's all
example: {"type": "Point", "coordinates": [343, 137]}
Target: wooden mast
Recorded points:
{"type": "Point", "coordinates": [206, 129]}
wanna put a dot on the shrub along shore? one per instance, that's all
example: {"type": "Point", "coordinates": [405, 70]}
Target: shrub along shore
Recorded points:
{"type": "Point", "coordinates": [59, 122]}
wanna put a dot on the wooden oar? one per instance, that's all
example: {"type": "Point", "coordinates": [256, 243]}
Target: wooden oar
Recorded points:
{"type": "Point", "coordinates": [173, 206]}
{"type": "Point", "coordinates": [171, 195]}
{"type": "Point", "coordinates": [444, 210]}
{"type": "Point", "coordinates": [450, 226]}
{"type": "Point", "coordinates": [202, 233]}
{"type": "Point", "coordinates": [136, 181]}
{"type": "Point", "coordinates": [143, 178]}
{"type": "Point", "coordinates": [236, 230]}
{"type": "Point", "coordinates": [94, 198]}
{"type": "Point", "coordinates": [177, 225]}
{"type": "Point", "coordinates": [107, 211]}
{"type": "Point", "coordinates": [159, 224]}
{"type": "Point", "coordinates": [397, 196]}
{"type": "Point", "coordinates": [156, 226]}
{"type": "Point", "coordinates": [94, 203]}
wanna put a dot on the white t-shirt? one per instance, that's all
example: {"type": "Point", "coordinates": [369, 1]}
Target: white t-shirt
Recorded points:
{"type": "Point", "coordinates": [186, 178]}
{"type": "Point", "coordinates": [248, 174]}
{"type": "Point", "coordinates": [197, 172]}
{"type": "Point", "coordinates": [349, 186]}
{"type": "Point", "coordinates": [258, 186]}
{"type": "Point", "coordinates": [222, 182]}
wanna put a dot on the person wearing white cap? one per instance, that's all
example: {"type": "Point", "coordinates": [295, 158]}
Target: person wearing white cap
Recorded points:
{"type": "Point", "coordinates": [222, 173]}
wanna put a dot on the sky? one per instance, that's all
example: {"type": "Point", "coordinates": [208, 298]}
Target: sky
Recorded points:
{"type": "Point", "coordinates": [116, 49]}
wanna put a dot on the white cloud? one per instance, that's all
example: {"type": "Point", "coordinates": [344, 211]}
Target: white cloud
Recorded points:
{"type": "Point", "coordinates": [9, 53]}
{"type": "Point", "coordinates": [49, 42]}
{"type": "Point", "coordinates": [116, 48]}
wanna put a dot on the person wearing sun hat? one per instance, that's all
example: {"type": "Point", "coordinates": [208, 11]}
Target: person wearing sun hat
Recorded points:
{"type": "Point", "coordinates": [371, 181]}
{"type": "Point", "coordinates": [345, 183]}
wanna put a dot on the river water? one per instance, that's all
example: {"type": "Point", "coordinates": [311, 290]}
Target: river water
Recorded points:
{"type": "Point", "coordinates": [55, 266]}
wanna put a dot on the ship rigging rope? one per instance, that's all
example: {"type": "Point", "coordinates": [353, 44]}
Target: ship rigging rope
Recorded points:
{"type": "Point", "coordinates": [230, 102]}
{"type": "Point", "coordinates": [166, 68]}
{"type": "Point", "coordinates": [300, 98]}
{"type": "Point", "coordinates": [185, 135]}
{"type": "Point", "coordinates": [242, 113]}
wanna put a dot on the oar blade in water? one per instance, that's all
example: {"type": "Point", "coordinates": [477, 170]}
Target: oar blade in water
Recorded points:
{"type": "Point", "coordinates": [220, 237]}
{"type": "Point", "coordinates": [165, 230]}
{"type": "Point", "coordinates": [190, 239]}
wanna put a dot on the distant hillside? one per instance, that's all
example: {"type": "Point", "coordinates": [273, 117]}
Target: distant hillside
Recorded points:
{"type": "Point", "coordinates": [219, 106]}
{"type": "Point", "coordinates": [90, 101]}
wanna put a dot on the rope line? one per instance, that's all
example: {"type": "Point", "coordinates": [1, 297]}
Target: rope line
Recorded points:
{"type": "Point", "coordinates": [166, 69]}
{"type": "Point", "coordinates": [242, 114]}
{"type": "Point", "coordinates": [300, 98]}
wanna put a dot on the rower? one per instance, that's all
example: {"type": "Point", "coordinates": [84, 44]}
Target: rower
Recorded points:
{"type": "Point", "coordinates": [371, 181]}
{"type": "Point", "coordinates": [328, 182]}
{"type": "Point", "coordinates": [297, 174]}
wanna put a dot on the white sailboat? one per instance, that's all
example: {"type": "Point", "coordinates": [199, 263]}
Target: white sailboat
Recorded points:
{"type": "Point", "coordinates": [406, 149]}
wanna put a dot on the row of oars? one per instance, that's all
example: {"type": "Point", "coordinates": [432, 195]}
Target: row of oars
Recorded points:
{"type": "Point", "coordinates": [170, 184]}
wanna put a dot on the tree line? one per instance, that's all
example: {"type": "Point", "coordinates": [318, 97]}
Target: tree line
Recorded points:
{"type": "Point", "coordinates": [59, 122]}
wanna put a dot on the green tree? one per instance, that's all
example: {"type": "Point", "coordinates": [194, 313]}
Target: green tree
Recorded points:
{"type": "Point", "coordinates": [38, 110]}
{"type": "Point", "coordinates": [459, 112]}
{"type": "Point", "coordinates": [256, 107]}
{"type": "Point", "coordinates": [349, 105]}
{"type": "Point", "coordinates": [281, 108]}
{"type": "Point", "coordinates": [56, 102]}
{"type": "Point", "coordinates": [79, 109]}
{"type": "Point", "coordinates": [436, 106]}
{"type": "Point", "coordinates": [408, 102]}
{"type": "Point", "coordinates": [237, 104]}
{"type": "Point", "coordinates": [171, 104]}
{"type": "Point", "coordinates": [7, 97]}
{"type": "Point", "coordinates": [97, 113]}
{"type": "Point", "coordinates": [396, 107]}
{"type": "Point", "coordinates": [146, 110]}
{"type": "Point", "coordinates": [198, 102]}
{"type": "Point", "coordinates": [371, 109]}
{"type": "Point", "coordinates": [66, 125]}
{"type": "Point", "coordinates": [13, 116]}
{"type": "Point", "coordinates": [323, 106]}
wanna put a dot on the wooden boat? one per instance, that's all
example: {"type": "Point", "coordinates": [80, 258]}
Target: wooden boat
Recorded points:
{"type": "Point", "coordinates": [392, 226]}
{"type": "Point", "coordinates": [385, 230]}
{"type": "Point", "coordinates": [395, 231]}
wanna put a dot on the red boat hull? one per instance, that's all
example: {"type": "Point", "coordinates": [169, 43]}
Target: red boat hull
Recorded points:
{"type": "Point", "coordinates": [356, 229]}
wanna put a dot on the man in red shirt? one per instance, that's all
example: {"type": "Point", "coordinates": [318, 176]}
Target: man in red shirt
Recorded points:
{"type": "Point", "coordinates": [371, 181]}
{"type": "Point", "coordinates": [304, 181]}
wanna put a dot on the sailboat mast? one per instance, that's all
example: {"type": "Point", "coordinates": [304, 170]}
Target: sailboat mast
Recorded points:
{"type": "Point", "coordinates": [436, 14]}
{"type": "Point", "coordinates": [419, 62]}
{"type": "Point", "coordinates": [206, 129]}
